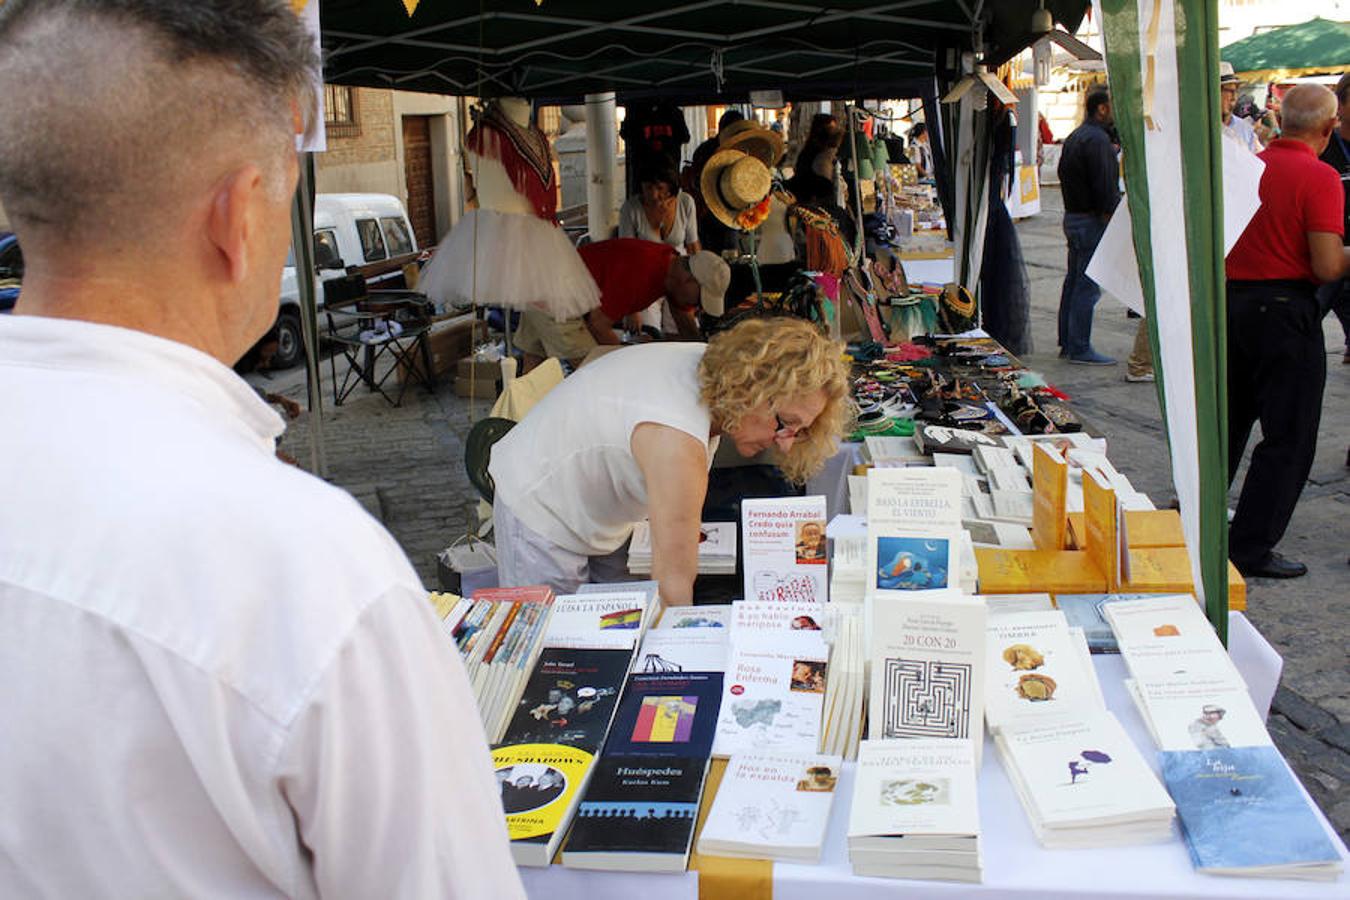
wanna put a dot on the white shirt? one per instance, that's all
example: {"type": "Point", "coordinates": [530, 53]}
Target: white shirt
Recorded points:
{"type": "Point", "coordinates": [633, 222]}
{"type": "Point", "coordinates": [1240, 130]}
{"type": "Point", "coordinates": [218, 676]}
{"type": "Point", "coordinates": [567, 471]}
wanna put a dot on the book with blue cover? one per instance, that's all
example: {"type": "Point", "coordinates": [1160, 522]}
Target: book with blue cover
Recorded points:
{"type": "Point", "coordinates": [1242, 813]}
{"type": "Point", "coordinates": [1085, 611]}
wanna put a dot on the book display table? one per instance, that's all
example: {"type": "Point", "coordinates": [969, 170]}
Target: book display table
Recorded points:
{"type": "Point", "coordinates": [1015, 865]}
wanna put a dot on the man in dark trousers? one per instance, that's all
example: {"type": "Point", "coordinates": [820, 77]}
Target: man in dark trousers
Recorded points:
{"type": "Point", "coordinates": [1277, 362]}
{"type": "Point", "coordinates": [1335, 295]}
{"type": "Point", "coordinates": [1089, 177]}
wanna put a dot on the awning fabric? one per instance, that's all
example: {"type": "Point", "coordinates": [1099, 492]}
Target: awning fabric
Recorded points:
{"type": "Point", "coordinates": [1311, 48]}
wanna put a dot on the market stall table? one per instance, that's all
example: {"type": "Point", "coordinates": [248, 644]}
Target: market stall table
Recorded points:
{"type": "Point", "coordinates": [1015, 865]}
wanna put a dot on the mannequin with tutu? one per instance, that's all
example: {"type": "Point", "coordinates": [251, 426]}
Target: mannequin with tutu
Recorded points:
{"type": "Point", "coordinates": [510, 251]}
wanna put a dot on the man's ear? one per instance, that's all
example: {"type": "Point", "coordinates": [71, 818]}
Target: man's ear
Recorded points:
{"type": "Point", "coordinates": [231, 223]}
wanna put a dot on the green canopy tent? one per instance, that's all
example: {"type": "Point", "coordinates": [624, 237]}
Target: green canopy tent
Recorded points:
{"type": "Point", "coordinates": [1315, 47]}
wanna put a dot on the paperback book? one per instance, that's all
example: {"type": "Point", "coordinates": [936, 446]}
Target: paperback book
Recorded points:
{"type": "Point", "coordinates": [785, 549]}
{"type": "Point", "coordinates": [915, 811]}
{"type": "Point", "coordinates": [716, 548]}
{"type": "Point", "coordinates": [1088, 612]}
{"type": "Point", "coordinates": [683, 650]}
{"type": "Point", "coordinates": [640, 806]}
{"type": "Point", "coordinates": [1037, 671]}
{"type": "Point", "coordinates": [772, 806]}
{"type": "Point", "coordinates": [695, 617]}
{"type": "Point", "coordinates": [1242, 813]}
{"type": "Point", "coordinates": [774, 694]}
{"type": "Point", "coordinates": [927, 666]}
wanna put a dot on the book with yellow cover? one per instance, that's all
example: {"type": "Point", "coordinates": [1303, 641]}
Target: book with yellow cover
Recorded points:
{"type": "Point", "coordinates": [1160, 570]}
{"type": "Point", "coordinates": [1050, 485]}
{"type": "Point", "coordinates": [1038, 571]}
{"type": "Point", "coordinates": [1102, 521]}
{"type": "Point", "coordinates": [1147, 528]}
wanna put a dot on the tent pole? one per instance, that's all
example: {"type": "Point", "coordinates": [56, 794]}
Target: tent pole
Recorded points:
{"type": "Point", "coordinates": [302, 230]}
{"type": "Point", "coordinates": [601, 165]}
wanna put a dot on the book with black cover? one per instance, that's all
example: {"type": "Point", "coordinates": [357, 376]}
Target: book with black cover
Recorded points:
{"type": "Point", "coordinates": [570, 698]}
{"type": "Point", "coordinates": [639, 810]}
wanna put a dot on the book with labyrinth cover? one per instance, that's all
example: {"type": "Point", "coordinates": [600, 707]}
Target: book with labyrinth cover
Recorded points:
{"type": "Point", "coordinates": [784, 541]}
{"type": "Point", "coordinates": [927, 659]}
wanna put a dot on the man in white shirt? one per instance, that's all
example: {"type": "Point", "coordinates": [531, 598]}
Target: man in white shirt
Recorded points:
{"type": "Point", "coordinates": [197, 701]}
{"type": "Point", "coordinates": [1235, 127]}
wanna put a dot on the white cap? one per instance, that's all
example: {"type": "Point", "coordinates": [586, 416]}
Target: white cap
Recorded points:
{"type": "Point", "coordinates": [714, 277]}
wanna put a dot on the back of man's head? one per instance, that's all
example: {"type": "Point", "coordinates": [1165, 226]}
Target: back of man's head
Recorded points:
{"type": "Point", "coordinates": [1307, 111]}
{"type": "Point", "coordinates": [116, 116]}
{"type": "Point", "coordinates": [730, 117]}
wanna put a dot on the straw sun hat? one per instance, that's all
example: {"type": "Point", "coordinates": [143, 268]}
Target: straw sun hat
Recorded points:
{"type": "Point", "coordinates": [734, 182]}
{"type": "Point", "coordinates": [753, 138]}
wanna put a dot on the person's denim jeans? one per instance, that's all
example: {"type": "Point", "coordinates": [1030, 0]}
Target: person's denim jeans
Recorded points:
{"type": "Point", "coordinates": [1080, 294]}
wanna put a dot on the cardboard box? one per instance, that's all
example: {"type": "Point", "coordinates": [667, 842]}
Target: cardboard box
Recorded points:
{"type": "Point", "coordinates": [484, 388]}
{"type": "Point", "coordinates": [449, 342]}
{"type": "Point", "coordinates": [481, 370]}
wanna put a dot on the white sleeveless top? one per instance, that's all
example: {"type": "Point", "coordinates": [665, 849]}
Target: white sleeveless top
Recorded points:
{"type": "Point", "coordinates": [567, 471]}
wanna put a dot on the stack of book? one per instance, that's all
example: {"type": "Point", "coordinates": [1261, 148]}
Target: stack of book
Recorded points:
{"type": "Point", "coordinates": [562, 716]}
{"type": "Point", "coordinates": [772, 806]}
{"type": "Point", "coordinates": [498, 634]}
{"type": "Point", "coordinates": [1083, 784]}
{"type": "Point", "coordinates": [716, 549]}
{"type": "Point", "coordinates": [1183, 682]}
{"type": "Point", "coordinates": [1037, 670]}
{"type": "Point", "coordinates": [776, 678]}
{"type": "Point", "coordinates": [846, 688]}
{"type": "Point", "coordinates": [915, 810]}
{"type": "Point", "coordinates": [1242, 811]}
{"type": "Point", "coordinates": [887, 452]}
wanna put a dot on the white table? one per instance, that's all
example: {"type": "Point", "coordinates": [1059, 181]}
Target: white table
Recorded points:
{"type": "Point", "coordinates": [1014, 864]}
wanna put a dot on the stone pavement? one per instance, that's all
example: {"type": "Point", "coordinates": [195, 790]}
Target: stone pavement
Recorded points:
{"type": "Point", "coordinates": [406, 466]}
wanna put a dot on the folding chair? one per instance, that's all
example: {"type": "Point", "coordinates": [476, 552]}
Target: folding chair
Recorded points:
{"type": "Point", "coordinates": [368, 326]}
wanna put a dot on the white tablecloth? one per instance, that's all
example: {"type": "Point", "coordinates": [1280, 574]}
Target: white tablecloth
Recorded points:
{"type": "Point", "coordinates": [1015, 866]}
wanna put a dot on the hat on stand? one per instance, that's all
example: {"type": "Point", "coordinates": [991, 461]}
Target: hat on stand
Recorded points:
{"type": "Point", "coordinates": [733, 183]}
{"type": "Point", "coordinates": [753, 138]}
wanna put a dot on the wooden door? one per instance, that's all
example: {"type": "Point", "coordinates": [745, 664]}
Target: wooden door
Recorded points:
{"type": "Point", "coordinates": [417, 173]}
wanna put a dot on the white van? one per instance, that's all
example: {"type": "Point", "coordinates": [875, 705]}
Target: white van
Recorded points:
{"type": "Point", "coordinates": [367, 233]}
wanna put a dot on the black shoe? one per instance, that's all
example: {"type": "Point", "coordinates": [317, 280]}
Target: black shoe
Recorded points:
{"type": "Point", "coordinates": [1273, 566]}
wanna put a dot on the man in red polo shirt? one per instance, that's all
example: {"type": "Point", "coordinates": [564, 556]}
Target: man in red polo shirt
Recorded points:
{"type": "Point", "coordinates": [632, 274]}
{"type": "Point", "coordinates": [1277, 364]}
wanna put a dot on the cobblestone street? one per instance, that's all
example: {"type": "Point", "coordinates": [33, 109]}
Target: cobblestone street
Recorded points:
{"type": "Point", "coordinates": [407, 466]}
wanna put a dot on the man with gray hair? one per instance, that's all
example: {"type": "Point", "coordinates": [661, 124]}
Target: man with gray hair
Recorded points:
{"type": "Point", "coordinates": [1277, 365]}
{"type": "Point", "coordinates": [196, 702]}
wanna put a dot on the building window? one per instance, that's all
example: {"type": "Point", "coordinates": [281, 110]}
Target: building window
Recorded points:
{"type": "Point", "coordinates": [339, 111]}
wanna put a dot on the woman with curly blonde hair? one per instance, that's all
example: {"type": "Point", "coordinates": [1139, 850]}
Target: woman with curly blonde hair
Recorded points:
{"type": "Point", "coordinates": [632, 435]}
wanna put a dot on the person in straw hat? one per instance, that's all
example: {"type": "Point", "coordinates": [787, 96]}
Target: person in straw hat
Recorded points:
{"type": "Point", "coordinates": [1235, 127]}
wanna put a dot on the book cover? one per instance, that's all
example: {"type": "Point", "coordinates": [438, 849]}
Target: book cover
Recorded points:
{"type": "Point", "coordinates": [569, 698]}
{"type": "Point", "coordinates": [774, 694]}
{"type": "Point", "coordinates": [1034, 571]}
{"type": "Point", "coordinates": [915, 787]}
{"type": "Point", "coordinates": [927, 661]}
{"type": "Point", "coordinates": [1050, 486]}
{"type": "Point", "coordinates": [1035, 670]}
{"type": "Point", "coordinates": [910, 559]}
{"type": "Point", "coordinates": [985, 533]}
{"type": "Point", "coordinates": [1240, 808]}
{"type": "Point", "coordinates": [1083, 772]}
{"type": "Point", "coordinates": [1203, 713]}
{"type": "Point", "coordinates": [1100, 516]}
{"type": "Point", "coordinates": [785, 548]}
{"type": "Point", "coordinates": [609, 619]}
{"type": "Point", "coordinates": [683, 650]}
{"type": "Point", "coordinates": [695, 617]}
{"type": "Point", "coordinates": [926, 497]}
{"type": "Point", "coordinates": [1087, 611]}
{"type": "Point", "coordinates": [751, 618]}
{"type": "Point", "coordinates": [772, 804]}
{"type": "Point", "coordinates": [638, 805]}
{"type": "Point", "coordinates": [540, 785]}
{"type": "Point", "coordinates": [666, 714]}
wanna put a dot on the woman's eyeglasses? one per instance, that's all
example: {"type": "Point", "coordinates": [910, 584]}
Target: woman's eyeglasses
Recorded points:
{"type": "Point", "coordinates": [784, 430]}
